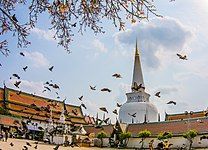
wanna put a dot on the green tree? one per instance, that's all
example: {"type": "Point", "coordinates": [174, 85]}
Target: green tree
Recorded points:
{"type": "Point", "coordinates": [190, 135]}
{"type": "Point", "coordinates": [144, 134]}
{"type": "Point", "coordinates": [124, 138]}
{"type": "Point", "coordinates": [100, 136]}
{"type": "Point", "coordinates": [164, 135]}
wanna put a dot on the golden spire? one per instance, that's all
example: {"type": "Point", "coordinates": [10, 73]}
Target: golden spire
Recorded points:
{"type": "Point", "coordinates": [137, 72]}
{"type": "Point", "coordinates": [136, 52]}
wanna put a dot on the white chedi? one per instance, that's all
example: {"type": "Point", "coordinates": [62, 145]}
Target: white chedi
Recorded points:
{"type": "Point", "coordinates": [138, 108]}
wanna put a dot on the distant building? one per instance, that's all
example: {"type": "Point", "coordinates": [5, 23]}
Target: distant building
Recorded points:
{"type": "Point", "coordinates": [138, 103]}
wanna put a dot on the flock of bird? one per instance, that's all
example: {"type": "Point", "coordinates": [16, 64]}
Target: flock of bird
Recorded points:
{"type": "Point", "coordinates": [49, 85]}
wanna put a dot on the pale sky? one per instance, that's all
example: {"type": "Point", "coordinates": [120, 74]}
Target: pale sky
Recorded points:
{"type": "Point", "coordinates": [94, 58]}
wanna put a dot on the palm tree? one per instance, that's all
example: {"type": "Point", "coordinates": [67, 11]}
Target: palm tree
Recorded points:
{"type": "Point", "coordinates": [100, 136]}
{"type": "Point", "coordinates": [144, 134]}
{"type": "Point", "coordinates": [190, 135]}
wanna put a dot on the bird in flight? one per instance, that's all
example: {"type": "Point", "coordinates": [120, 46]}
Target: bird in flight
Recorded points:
{"type": "Point", "coordinates": [115, 111]}
{"type": "Point", "coordinates": [55, 86]}
{"type": "Point", "coordinates": [16, 76]}
{"type": "Point", "coordinates": [157, 94]}
{"type": "Point", "coordinates": [17, 83]}
{"type": "Point", "coordinates": [106, 120]}
{"type": "Point", "coordinates": [47, 88]}
{"type": "Point", "coordinates": [136, 87]}
{"type": "Point", "coordinates": [51, 68]}
{"type": "Point", "coordinates": [106, 89]}
{"type": "Point", "coordinates": [25, 68]}
{"type": "Point", "coordinates": [184, 57]}
{"type": "Point", "coordinates": [116, 75]}
{"type": "Point", "coordinates": [171, 102]}
{"type": "Point", "coordinates": [93, 88]}
{"type": "Point", "coordinates": [22, 54]}
{"type": "Point", "coordinates": [133, 115]}
{"type": "Point", "coordinates": [44, 91]}
{"type": "Point", "coordinates": [119, 105]}
{"type": "Point", "coordinates": [80, 98]}
{"type": "Point", "coordinates": [104, 109]}
{"type": "Point", "coordinates": [83, 105]}
{"type": "Point", "coordinates": [18, 93]}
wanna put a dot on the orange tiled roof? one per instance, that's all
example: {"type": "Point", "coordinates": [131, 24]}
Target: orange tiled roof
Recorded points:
{"type": "Point", "coordinates": [176, 127]}
{"type": "Point", "coordinates": [28, 99]}
{"type": "Point", "coordinates": [25, 105]}
{"type": "Point", "coordinates": [9, 121]}
{"type": "Point", "coordinates": [181, 116]}
{"type": "Point", "coordinates": [108, 129]}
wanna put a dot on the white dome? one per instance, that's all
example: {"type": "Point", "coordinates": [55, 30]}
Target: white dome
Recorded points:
{"type": "Point", "coordinates": [140, 108]}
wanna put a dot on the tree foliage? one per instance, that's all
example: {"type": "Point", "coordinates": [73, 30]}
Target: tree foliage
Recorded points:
{"type": "Point", "coordinates": [101, 135]}
{"type": "Point", "coordinates": [124, 138]}
{"type": "Point", "coordinates": [124, 135]}
{"type": "Point", "coordinates": [190, 135]}
{"type": "Point", "coordinates": [165, 135]}
{"type": "Point", "coordinates": [144, 134]}
{"type": "Point", "coordinates": [66, 15]}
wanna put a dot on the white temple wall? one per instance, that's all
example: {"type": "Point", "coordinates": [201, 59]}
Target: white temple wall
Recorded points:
{"type": "Point", "coordinates": [177, 141]}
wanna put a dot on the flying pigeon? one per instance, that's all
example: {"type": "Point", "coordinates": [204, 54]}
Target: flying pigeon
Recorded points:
{"type": "Point", "coordinates": [104, 109]}
{"type": "Point", "coordinates": [115, 111]}
{"type": "Point", "coordinates": [171, 102]}
{"type": "Point", "coordinates": [105, 89]}
{"type": "Point", "coordinates": [21, 53]}
{"type": "Point", "coordinates": [83, 105]}
{"type": "Point", "coordinates": [47, 88]}
{"type": "Point", "coordinates": [117, 75]}
{"type": "Point", "coordinates": [16, 75]}
{"type": "Point", "coordinates": [157, 94]}
{"type": "Point", "coordinates": [25, 68]}
{"type": "Point", "coordinates": [133, 115]}
{"type": "Point", "coordinates": [182, 57]}
{"type": "Point", "coordinates": [51, 68]}
{"type": "Point", "coordinates": [17, 83]}
{"type": "Point", "coordinates": [93, 88]}
{"type": "Point", "coordinates": [119, 105]}
{"type": "Point", "coordinates": [80, 98]}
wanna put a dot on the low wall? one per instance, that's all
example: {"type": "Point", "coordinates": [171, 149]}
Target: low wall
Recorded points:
{"type": "Point", "coordinates": [176, 141]}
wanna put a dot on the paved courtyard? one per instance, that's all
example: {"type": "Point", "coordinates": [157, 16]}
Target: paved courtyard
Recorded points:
{"type": "Point", "coordinates": [19, 143]}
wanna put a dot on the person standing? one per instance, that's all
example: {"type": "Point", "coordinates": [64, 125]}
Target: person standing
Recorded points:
{"type": "Point", "coordinates": [6, 135]}
{"type": "Point", "coordinates": [3, 135]}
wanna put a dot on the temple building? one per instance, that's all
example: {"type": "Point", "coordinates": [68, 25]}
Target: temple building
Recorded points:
{"type": "Point", "coordinates": [39, 114]}
{"type": "Point", "coordinates": [138, 108]}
